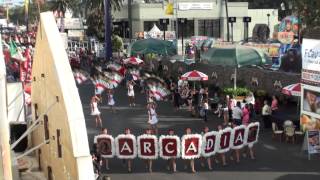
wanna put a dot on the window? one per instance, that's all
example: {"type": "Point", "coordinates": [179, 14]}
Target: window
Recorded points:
{"type": "Point", "coordinates": [209, 28]}
{"type": "Point", "coordinates": [46, 127]}
{"type": "Point", "coordinates": [186, 29]}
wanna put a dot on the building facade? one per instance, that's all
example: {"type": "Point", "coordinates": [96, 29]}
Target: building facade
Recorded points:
{"type": "Point", "coordinates": [205, 17]}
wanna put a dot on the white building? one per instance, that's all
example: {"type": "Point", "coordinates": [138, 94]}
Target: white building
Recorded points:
{"type": "Point", "coordinates": [205, 17]}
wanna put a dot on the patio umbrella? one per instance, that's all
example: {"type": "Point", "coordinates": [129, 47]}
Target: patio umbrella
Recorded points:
{"type": "Point", "coordinates": [133, 61]}
{"type": "Point", "coordinates": [292, 90]}
{"type": "Point", "coordinates": [194, 76]}
{"type": "Point", "coordinates": [235, 56]}
{"type": "Point", "coordinates": [156, 46]}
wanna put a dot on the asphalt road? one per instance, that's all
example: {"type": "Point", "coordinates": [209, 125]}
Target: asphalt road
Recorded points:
{"type": "Point", "coordinates": [274, 160]}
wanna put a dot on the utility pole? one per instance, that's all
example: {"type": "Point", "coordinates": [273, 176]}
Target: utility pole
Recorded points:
{"type": "Point", "coordinates": [130, 18]}
{"type": "Point", "coordinates": [227, 19]}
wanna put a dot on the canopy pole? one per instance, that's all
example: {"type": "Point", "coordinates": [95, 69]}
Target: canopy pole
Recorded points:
{"type": "Point", "coordinates": [235, 79]}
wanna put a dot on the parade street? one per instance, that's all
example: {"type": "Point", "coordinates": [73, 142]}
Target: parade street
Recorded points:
{"type": "Point", "coordinates": [274, 160]}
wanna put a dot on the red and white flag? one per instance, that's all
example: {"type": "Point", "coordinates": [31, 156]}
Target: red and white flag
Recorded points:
{"type": "Point", "coordinates": [169, 146]}
{"type": "Point", "coordinates": [147, 146]}
{"type": "Point", "coordinates": [126, 146]}
{"type": "Point", "coordinates": [191, 146]}
{"type": "Point", "coordinates": [80, 77]}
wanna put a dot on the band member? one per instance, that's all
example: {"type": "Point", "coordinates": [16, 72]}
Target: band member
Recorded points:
{"type": "Point", "coordinates": [208, 159]}
{"type": "Point", "coordinates": [153, 119]}
{"type": "Point", "coordinates": [111, 101]}
{"type": "Point", "coordinates": [189, 162]}
{"type": "Point", "coordinates": [130, 87]}
{"type": "Point", "coordinates": [95, 111]}
{"type": "Point", "coordinates": [171, 164]}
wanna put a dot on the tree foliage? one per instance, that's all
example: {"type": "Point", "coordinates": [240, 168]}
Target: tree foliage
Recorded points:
{"type": "Point", "coordinates": [95, 17]}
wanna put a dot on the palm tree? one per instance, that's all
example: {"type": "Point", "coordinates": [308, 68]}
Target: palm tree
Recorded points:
{"type": "Point", "coordinates": [61, 6]}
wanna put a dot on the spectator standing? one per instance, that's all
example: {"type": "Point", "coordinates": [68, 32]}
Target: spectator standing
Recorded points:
{"type": "Point", "coordinates": [237, 114]}
{"type": "Point", "coordinates": [266, 112]}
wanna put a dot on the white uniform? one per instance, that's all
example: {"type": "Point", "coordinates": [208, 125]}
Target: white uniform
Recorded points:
{"type": "Point", "coordinates": [95, 110]}
{"type": "Point", "coordinates": [152, 117]}
{"type": "Point", "coordinates": [130, 90]}
{"type": "Point", "coordinates": [111, 100]}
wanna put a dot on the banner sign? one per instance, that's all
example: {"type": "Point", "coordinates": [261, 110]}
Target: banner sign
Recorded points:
{"type": "Point", "coordinates": [311, 61]}
{"type": "Point", "coordinates": [313, 142]}
{"type": "Point", "coordinates": [195, 6]}
{"type": "Point", "coordinates": [168, 146]}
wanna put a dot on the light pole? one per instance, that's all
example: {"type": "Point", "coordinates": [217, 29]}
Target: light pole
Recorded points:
{"type": "Point", "coordinates": [164, 23]}
{"type": "Point", "coordinates": [268, 15]}
{"type": "Point", "coordinates": [227, 18]}
{"type": "Point", "coordinates": [182, 21]}
{"type": "Point", "coordinates": [246, 21]}
{"type": "Point", "coordinates": [232, 20]}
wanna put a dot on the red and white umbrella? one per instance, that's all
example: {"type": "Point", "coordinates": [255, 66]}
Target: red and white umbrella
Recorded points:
{"type": "Point", "coordinates": [133, 61]}
{"type": "Point", "coordinates": [292, 90]}
{"type": "Point", "coordinates": [194, 76]}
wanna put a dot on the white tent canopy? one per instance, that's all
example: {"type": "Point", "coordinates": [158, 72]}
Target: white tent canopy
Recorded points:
{"type": "Point", "coordinates": [154, 31]}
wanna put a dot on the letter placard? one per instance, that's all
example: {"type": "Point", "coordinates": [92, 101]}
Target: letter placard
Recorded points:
{"type": "Point", "coordinates": [191, 146]}
{"type": "Point", "coordinates": [252, 132]}
{"type": "Point", "coordinates": [169, 147]}
{"type": "Point", "coordinates": [126, 146]}
{"type": "Point", "coordinates": [147, 146]}
{"type": "Point", "coordinates": [225, 138]}
{"type": "Point", "coordinates": [105, 145]}
{"type": "Point", "coordinates": [210, 143]}
{"type": "Point", "coordinates": [238, 137]}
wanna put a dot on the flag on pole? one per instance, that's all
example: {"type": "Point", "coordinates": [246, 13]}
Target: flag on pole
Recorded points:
{"type": "Point", "coordinates": [15, 52]}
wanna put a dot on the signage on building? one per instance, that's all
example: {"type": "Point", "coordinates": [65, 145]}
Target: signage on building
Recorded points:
{"type": "Point", "coordinates": [71, 23]}
{"type": "Point", "coordinates": [311, 61]}
{"type": "Point", "coordinates": [195, 6]}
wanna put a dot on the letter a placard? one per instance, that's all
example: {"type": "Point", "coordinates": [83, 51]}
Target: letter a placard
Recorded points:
{"type": "Point", "coordinates": [169, 146]}
{"type": "Point", "coordinates": [147, 146]}
{"type": "Point", "coordinates": [238, 137]}
{"type": "Point", "coordinates": [126, 146]}
{"type": "Point", "coordinates": [210, 143]}
{"type": "Point", "coordinates": [191, 146]}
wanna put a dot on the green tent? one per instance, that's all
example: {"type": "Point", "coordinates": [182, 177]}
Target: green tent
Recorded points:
{"type": "Point", "coordinates": [235, 56]}
{"type": "Point", "coordinates": [156, 46]}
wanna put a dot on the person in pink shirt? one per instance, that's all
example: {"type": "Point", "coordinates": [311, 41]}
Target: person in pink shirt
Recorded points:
{"type": "Point", "coordinates": [245, 115]}
{"type": "Point", "coordinates": [274, 104]}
